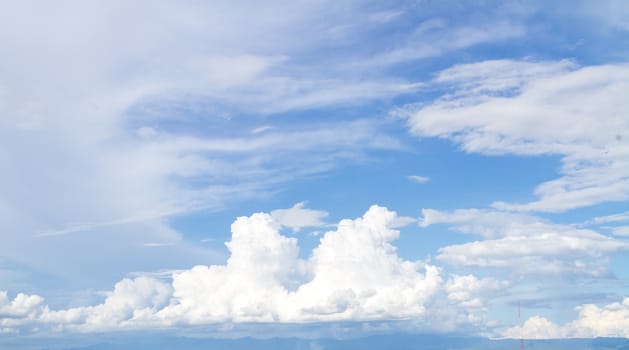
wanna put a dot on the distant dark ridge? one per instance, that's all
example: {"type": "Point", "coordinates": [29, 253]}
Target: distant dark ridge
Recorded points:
{"type": "Point", "coordinates": [376, 342]}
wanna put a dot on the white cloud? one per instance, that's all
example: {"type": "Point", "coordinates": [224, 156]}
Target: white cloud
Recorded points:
{"type": "Point", "coordinates": [157, 244]}
{"type": "Point", "coordinates": [486, 223]}
{"type": "Point", "coordinates": [533, 108]}
{"type": "Point", "coordinates": [612, 14]}
{"type": "Point", "coordinates": [611, 320]}
{"type": "Point", "coordinates": [620, 217]}
{"type": "Point", "coordinates": [549, 254]}
{"type": "Point", "coordinates": [435, 37]}
{"type": "Point", "coordinates": [251, 287]}
{"type": "Point", "coordinates": [261, 129]}
{"type": "Point", "coordinates": [130, 302]}
{"type": "Point", "coordinates": [418, 178]}
{"type": "Point", "coordinates": [22, 310]}
{"type": "Point", "coordinates": [472, 292]}
{"type": "Point", "coordinates": [93, 150]}
{"type": "Point", "coordinates": [298, 217]}
{"type": "Point", "coordinates": [525, 244]}
{"type": "Point", "coordinates": [363, 275]}
{"type": "Point", "coordinates": [107, 142]}
{"type": "Point", "coordinates": [121, 195]}
{"type": "Point", "coordinates": [354, 274]}
{"type": "Point", "coordinates": [21, 306]}
{"type": "Point", "coordinates": [535, 327]}
{"type": "Point", "coordinates": [384, 16]}
{"type": "Point", "coordinates": [402, 221]}
{"type": "Point", "coordinates": [621, 231]}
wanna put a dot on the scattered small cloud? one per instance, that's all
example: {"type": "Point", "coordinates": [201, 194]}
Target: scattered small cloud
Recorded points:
{"type": "Point", "coordinates": [620, 217]}
{"type": "Point", "coordinates": [620, 231]}
{"type": "Point", "coordinates": [157, 244]}
{"type": "Point", "coordinates": [298, 217]}
{"type": "Point", "coordinates": [262, 129]}
{"type": "Point", "coordinates": [384, 16]}
{"type": "Point", "coordinates": [418, 178]}
{"type": "Point", "coordinates": [402, 221]}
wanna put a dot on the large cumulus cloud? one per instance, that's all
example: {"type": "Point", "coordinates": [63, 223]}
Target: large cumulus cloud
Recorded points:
{"type": "Point", "coordinates": [354, 274]}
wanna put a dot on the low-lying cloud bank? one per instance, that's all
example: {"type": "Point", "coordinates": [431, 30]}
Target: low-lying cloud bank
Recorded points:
{"type": "Point", "coordinates": [525, 244]}
{"type": "Point", "coordinates": [611, 320]}
{"type": "Point", "coordinates": [354, 274]}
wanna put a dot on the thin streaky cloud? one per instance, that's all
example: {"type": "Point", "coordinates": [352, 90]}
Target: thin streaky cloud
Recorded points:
{"type": "Point", "coordinates": [418, 178]}
{"type": "Point", "coordinates": [261, 129]}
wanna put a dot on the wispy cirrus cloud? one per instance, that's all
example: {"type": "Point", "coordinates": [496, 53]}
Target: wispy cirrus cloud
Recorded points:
{"type": "Point", "coordinates": [620, 217]}
{"type": "Point", "coordinates": [534, 108]}
{"type": "Point", "coordinates": [118, 128]}
{"type": "Point", "coordinates": [418, 178]}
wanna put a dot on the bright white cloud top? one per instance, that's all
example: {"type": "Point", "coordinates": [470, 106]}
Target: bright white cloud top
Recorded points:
{"type": "Point", "coordinates": [354, 274]}
{"type": "Point", "coordinates": [132, 135]}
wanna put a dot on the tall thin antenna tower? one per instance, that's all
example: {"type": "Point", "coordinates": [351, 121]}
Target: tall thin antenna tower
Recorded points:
{"type": "Point", "coordinates": [520, 322]}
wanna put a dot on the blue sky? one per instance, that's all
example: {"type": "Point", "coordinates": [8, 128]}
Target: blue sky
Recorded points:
{"type": "Point", "coordinates": [302, 166]}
